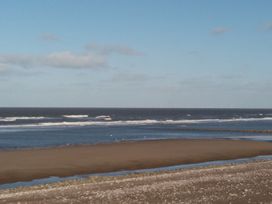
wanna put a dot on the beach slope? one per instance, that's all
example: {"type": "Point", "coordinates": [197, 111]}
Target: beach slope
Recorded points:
{"type": "Point", "coordinates": [238, 183]}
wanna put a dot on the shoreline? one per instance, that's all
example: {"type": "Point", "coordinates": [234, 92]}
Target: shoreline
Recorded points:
{"type": "Point", "coordinates": [179, 167]}
{"type": "Point", "coordinates": [236, 183]}
{"type": "Point", "coordinates": [29, 164]}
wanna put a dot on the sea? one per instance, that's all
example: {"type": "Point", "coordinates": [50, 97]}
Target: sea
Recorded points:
{"type": "Point", "coordinates": [51, 127]}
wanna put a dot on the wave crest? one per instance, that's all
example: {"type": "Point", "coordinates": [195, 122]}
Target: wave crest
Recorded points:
{"type": "Point", "coordinates": [103, 117]}
{"type": "Point", "coordinates": [12, 119]}
{"type": "Point", "coordinates": [107, 121]}
{"type": "Point", "coordinates": [75, 116]}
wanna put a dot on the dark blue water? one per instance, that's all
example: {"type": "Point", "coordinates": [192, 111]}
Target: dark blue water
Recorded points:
{"type": "Point", "coordinates": [44, 127]}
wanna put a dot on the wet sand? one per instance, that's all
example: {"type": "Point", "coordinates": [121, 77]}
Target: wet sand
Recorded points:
{"type": "Point", "coordinates": [237, 183]}
{"type": "Point", "coordinates": [29, 164]}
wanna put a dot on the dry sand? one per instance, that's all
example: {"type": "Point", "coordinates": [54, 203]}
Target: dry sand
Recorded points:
{"type": "Point", "coordinates": [23, 165]}
{"type": "Point", "coordinates": [238, 183]}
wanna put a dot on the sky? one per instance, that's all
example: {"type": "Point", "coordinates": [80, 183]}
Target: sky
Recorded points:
{"type": "Point", "coordinates": [159, 53]}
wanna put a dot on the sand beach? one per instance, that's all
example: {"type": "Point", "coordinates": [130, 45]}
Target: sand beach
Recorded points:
{"type": "Point", "coordinates": [29, 164]}
{"type": "Point", "coordinates": [233, 183]}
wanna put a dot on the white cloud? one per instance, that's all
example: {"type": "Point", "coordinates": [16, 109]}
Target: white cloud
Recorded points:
{"type": "Point", "coordinates": [50, 37]}
{"type": "Point", "coordinates": [127, 77]}
{"type": "Point", "coordinates": [55, 60]}
{"type": "Point", "coordinates": [3, 67]}
{"type": "Point", "coordinates": [113, 49]}
{"type": "Point", "coordinates": [72, 60]}
{"type": "Point", "coordinates": [17, 60]}
{"type": "Point", "coordinates": [268, 26]}
{"type": "Point", "coordinates": [130, 77]}
{"type": "Point", "coordinates": [220, 30]}
{"type": "Point", "coordinates": [95, 56]}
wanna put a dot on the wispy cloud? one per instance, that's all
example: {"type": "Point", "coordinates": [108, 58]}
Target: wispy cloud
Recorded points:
{"type": "Point", "coordinates": [72, 60]}
{"type": "Point", "coordinates": [219, 30]}
{"type": "Point", "coordinates": [136, 78]}
{"type": "Point", "coordinates": [49, 37]}
{"type": "Point", "coordinates": [3, 67]}
{"type": "Point", "coordinates": [88, 59]}
{"type": "Point", "coordinates": [268, 26]}
{"type": "Point", "coordinates": [130, 77]}
{"type": "Point", "coordinates": [113, 49]}
{"type": "Point", "coordinates": [55, 60]}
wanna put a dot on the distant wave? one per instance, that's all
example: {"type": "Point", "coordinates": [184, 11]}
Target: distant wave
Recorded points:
{"type": "Point", "coordinates": [87, 123]}
{"type": "Point", "coordinates": [108, 122]}
{"type": "Point", "coordinates": [100, 117]}
{"type": "Point", "coordinates": [75, 116]}
{"type": "Point", "coordinates": [228, 120]}
{"type": "Point", "coordinates": [103, 117]}
{"type": "Point", "coordinates": [11, 119]}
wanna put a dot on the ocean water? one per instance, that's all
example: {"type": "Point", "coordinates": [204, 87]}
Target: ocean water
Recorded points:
{"type": "Point", "coordinates": [46, 127]}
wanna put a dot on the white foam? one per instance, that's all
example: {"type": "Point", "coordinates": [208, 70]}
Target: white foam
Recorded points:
{"type": "Point", "coordinates": [75, 116]}
{"type": "Point", "coordinates": [11, 119]}
{"type": "Point", "coordinates": [103, 117]}
{"type": "Point", "coordinates": [131, 122]}
{"type": "Point", "coordinates": [242, 119]}
{"type": "Point", "coordinates": [88, 123]}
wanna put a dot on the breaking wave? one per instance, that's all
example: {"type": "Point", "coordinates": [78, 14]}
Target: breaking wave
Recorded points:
{"type": "Point", "coordinates": [103, 117]}
{"type": "Point", "coordinates": [75, 116]}
{"type": "Point", "coordinates": [107, 121]}
{"type": "Point", "coordinates": [11, 119]}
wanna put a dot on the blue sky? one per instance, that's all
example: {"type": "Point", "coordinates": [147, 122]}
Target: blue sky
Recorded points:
{"type": "Point", "coordinates": [146, 53]}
